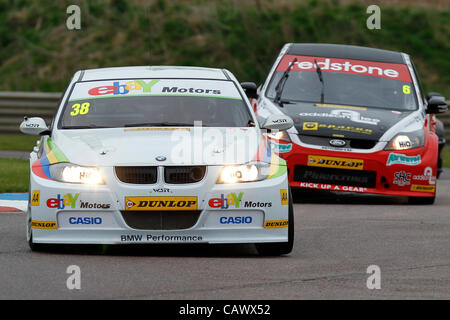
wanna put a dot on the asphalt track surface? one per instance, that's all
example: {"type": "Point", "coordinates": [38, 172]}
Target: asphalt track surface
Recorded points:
{"type": "Point", "coordinates": [336, 239]}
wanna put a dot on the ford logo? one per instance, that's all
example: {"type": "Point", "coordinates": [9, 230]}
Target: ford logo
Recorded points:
{"type": "Point", "coordinates": [160, 158]}
{"type": "Point", "coordinates": [337, 143]}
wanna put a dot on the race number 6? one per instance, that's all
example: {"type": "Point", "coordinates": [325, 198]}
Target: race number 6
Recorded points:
{"type": "Point", "coordinates": [406, 89]}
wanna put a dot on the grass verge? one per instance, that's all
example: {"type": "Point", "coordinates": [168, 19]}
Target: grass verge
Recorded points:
{"type": "Point", "coordinates": [38, 52]}
{"type": "Point", "coordinates": [14, 175]}
{"type": "Point", "coordinates": [17, 142]}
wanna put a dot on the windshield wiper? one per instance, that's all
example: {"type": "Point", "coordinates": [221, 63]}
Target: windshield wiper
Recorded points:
{"type": "Point", "coordinates": [280, 85]}
{"type": "Point", "coordinates": [319, 73]}
{"type": "Point", "coordinates": [160, 124]}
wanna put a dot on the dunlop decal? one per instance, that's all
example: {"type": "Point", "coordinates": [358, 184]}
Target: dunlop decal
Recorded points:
{"type": "Point", "coordinates": [160, 203]}
{"type": "Point", "coordinates": [43, 224]}
{"type": "Point", "coordinates": [332, 162]}
{"type": "Point", "coordinates": [276, 224]}
{"type": "Point", "coordinates": [423, 188]}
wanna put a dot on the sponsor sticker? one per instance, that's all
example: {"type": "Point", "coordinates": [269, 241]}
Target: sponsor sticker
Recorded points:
{"type": "Point", "coordinates": [331, 187]}
{"type": "Point", "coordinates": [423, 188]}
{"type": "Point", "coordinates": [345, 128]}
{"type": "Point", "coordinates": [342, 114]}
{"type": "Point", "coordinates": [402, 178]}
{"type": "Point", "coordinates": [427, 176]}
{"type": "Point", "coordinates": [148, 87]}
{"type": "Point", "coordinates": [328, 105]}
{"type": "Point", "coordinates": [281, 148]}
{"type": "Point", "coordinates": [284, 196]}
{"type": "Point", "coordinates": [333, 162]}
{"type": "Point", "coordinates": [43, 224]}
{"type": "Point", "coordinates": [276, 224]}
{"type": "Point", "coordinates": [159, 238]}
{"type": "Point", "coordinates": [236, 220]}
{"type": "Point", "coordinates": [160, 203]}
{"type": "Point", "coordinates": [310, 126]}
{"type": "Point", "coordinates": [61, 202]}
{"type": "Point", "coordinates": [93, 205]}
{"type": "Point", "coordinates": [394, 71]}
{"type": "Point", "coordinates": [85, 220]}
{"type": "Point", "coordinates": [396, 158]}
{"type": "Point", "coordinates": [225, 202]}
{"type": "Point", "coordinates": [35, 198]}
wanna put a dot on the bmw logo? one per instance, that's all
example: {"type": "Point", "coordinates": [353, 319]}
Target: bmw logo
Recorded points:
{"type": "Point", "coordinates": [337, 143]}
{"type": "Point", "coordinates": [160, 158]}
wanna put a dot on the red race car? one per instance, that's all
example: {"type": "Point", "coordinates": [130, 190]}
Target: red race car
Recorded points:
{"type": "Point", "coordinates": [362, 122]}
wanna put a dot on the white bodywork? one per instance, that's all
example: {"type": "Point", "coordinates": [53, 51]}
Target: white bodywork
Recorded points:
{"type": "Point", "coordinates": [89, 214]}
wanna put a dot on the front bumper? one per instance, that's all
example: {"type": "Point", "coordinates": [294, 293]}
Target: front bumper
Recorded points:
{"type": "Point", "coordinates": [65, 213]}
{"type": "Point", "coordinates": [398, 173]}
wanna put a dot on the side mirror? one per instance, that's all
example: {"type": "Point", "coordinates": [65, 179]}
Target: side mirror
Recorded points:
{"type": "Point", "coordinates": [34, 126]}
{"type": "Point", "coordinates": [279, 122]}
{"type": "Point", "coordinates": [250, 90]}
{"type": "Point", "coordinates": [436, 105]}
{"type": "Point", "coordinates": [434, 94]}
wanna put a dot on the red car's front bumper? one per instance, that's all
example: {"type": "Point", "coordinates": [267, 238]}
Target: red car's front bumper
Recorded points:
{"type": "Point", "coordinates": [409, 173]}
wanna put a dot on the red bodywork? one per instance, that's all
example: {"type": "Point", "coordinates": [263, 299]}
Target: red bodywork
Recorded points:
{"type": "Point", "coordinates": [422, 182]}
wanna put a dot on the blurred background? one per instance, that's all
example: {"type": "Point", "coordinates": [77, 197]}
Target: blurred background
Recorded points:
{"type": "Point", "coordinates": [39, 54]}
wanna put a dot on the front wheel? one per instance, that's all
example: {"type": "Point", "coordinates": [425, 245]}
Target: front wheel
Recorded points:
{"type": "Point", "coordinates": [33, 246]}
{"type": "Point", "coordinates": [280, 248]}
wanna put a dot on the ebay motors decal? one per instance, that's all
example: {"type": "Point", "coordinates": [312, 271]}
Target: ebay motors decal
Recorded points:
{"type": "Point", "coordinates": [154, 87]}
{"type": "Point", "coordinates": [392, 71]}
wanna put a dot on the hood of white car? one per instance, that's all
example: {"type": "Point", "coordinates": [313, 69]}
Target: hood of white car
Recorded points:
{"type": "Point", "coordinates": [172, 146]}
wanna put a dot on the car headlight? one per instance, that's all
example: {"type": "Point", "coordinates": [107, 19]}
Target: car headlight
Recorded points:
{"type": "Point", "coordinates": [405, 141]}
{"type": "Point", "coordinates": [250, 172]}
{"type": "Point", "coordinates": [279, 135]}
{"type": "Point", "coordinates": [72, 173]}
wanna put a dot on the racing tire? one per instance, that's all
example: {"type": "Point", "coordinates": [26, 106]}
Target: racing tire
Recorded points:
{"type": "Point", "coordinates": [439, 166]}
{"type": "Point", "coordinates": [280, 248]}
{"type": "Point", "coordinates": [421, 200]}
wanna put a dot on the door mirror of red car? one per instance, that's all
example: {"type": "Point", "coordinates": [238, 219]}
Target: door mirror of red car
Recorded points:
{"type": "Point", "coordinates": [436, 105]}
{"type": "Point", "coordinates": [250, 89]}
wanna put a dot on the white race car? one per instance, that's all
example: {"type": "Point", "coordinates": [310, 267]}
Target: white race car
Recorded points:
{"type": "Point", "coordinates": [148, 155]}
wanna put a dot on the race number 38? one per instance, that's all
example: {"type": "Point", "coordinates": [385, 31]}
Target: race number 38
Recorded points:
{"type": "Point", "coordinates": [80, 109]}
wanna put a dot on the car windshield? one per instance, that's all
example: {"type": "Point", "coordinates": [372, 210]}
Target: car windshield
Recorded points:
{"type": "Point", "coordinates": [154, 102]}
{"type": "Point", "coordinates": [345, 82]}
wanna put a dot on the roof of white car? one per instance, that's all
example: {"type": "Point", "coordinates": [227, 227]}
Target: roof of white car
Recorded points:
{"type": "Point", "coordinates": [151, 72]}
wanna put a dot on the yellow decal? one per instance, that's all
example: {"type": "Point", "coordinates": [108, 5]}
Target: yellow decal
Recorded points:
{"type": "Point", "coordinates": [35, 197]}
{"type": "Point", "coordinates": [332, 162]}
{"type": "Point", "coordinates": [160, 203]}
{"type": "Point", "coordinates": [406, 89]}
{"type": "Point", "coordinates": [43, 224]}
{"type": "Point", "coordinates": [156, 129]}
{"type": "Point", "coordinates": [310, 125]}
{"type": "Point", "coordinates": [423, 188]}
{"type": "Point", "coordinates": [276, 224]}
{"type": "Point", "coordinates": [345, 128]}
{"type": "Point", "coordinates": [327, 105]}
{"type": "Point", "coordinates": [80, 109]}
{"type": "Point", "coordinates": [284, 196]}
